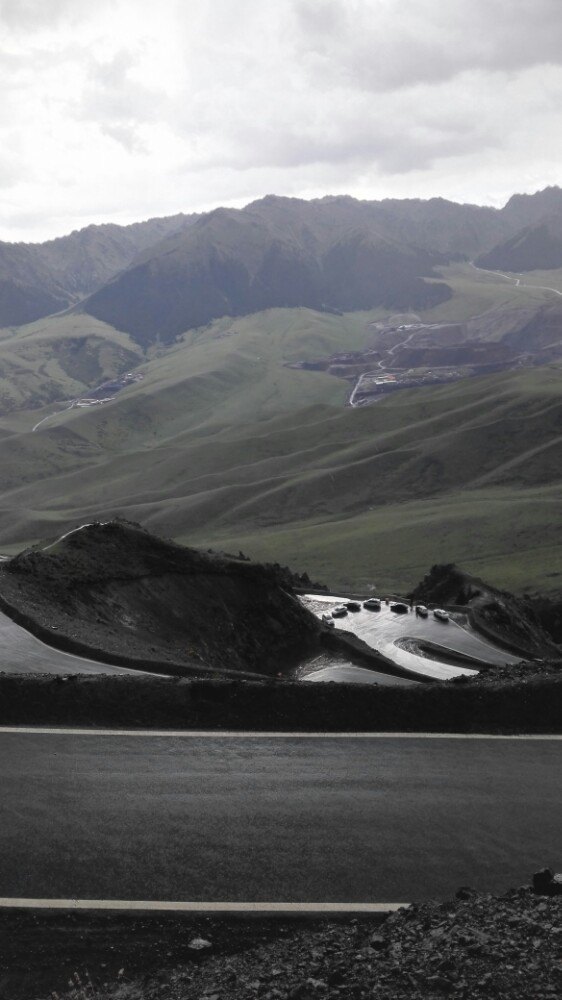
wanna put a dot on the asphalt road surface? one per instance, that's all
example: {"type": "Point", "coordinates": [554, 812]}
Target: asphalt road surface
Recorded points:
{"type": "Point", "coordinates": [270, 819]}
{"type": "Point", "coordinates": [381, 629]}
{"type": "Point", "coordinates": [330, 667]}
{"type": "Point", "coordinates": [22, 653]}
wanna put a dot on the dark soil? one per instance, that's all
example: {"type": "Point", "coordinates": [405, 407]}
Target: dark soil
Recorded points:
{"type": "Point", "coordinates": [476, 947]}
{"type": "Point", "coordinates": [118, 594]}
{"type": "Point", "coordinates": [548, 612]}
{"type": "Point", "coordinates": [40, 951]}
{"type": "Point", "coordinates": [509, 673]}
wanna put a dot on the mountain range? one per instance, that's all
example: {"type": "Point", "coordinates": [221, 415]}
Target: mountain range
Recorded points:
{"type": "Point", "coordinates": [536, 247]}
{"type": "Point", "coordinates": [37, 279]}
{"type": "Point", "coordinates": [227, 435]}
{"type": "Point", "coordinates": [156, 279]}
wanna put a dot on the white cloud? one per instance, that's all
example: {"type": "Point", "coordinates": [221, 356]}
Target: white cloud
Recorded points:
{"type": "Point", "coordinates": [38, 15]}
{"type": "Point", "coordinates": [124, 109]}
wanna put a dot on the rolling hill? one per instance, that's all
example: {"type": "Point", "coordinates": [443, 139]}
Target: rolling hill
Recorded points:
{"type": "Point", "coordinates": [59, 358]}
{"type": "Point", "coordinates": [228, 443]}
{"type": "Point", "coordinates": [222, 445]}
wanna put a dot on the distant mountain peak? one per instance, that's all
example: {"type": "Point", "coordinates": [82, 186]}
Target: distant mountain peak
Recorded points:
{"type": "Point", "coordinates": [275, 251]}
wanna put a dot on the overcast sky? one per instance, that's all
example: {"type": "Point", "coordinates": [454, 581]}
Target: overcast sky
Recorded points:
{"type": "Point", "coordinates": [119, 110]}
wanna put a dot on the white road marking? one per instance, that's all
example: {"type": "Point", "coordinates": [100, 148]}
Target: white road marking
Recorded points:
{"type": "Point", "coordinates": [238, 734]}
{"type": "Point", "coordinates": [198, 907]}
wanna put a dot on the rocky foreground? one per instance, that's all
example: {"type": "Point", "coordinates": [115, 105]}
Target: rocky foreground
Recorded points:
{"type": "Point", "coordinates": [474, 947]}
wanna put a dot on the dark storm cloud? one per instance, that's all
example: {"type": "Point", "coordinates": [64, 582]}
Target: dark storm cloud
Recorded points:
{"type": "Point", "coordinates": [396, 143]}
{"type": "Point", "coordinates": [383, 45]}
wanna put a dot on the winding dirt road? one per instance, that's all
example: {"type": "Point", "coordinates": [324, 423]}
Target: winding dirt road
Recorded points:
{"type": "Point", "coordinates": [516, 282]}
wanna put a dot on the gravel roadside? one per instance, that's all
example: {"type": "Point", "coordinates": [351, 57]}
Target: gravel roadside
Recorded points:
{"type": "Point", "coordinates": [476, 947]}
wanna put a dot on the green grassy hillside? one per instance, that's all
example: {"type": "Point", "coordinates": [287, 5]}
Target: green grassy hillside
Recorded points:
{"type": "Point", "coordinates": [469, 473]}
{"type": "Point", "coordinates": [66, 355]}
{"type": "Point", "coordinates": [58, 358]}
{"type": "Point", "coordinates": [512, 538]}
{"type": "Point", "coordinates": [223, 445]}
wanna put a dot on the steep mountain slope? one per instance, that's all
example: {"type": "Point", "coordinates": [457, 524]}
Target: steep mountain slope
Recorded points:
{"type": "Point", "coordinates": [536, 247]}
{"type": "Point", "coordinates": [330, 253]}
{"type": "Point", "coordinates": [435, 225]}
{"type": "Point", "coordinates": [275, 253]}
{"type": "Point", "coordinates": [440, 225]}
{"type": "Point", "coordinates": [42, 278]}
{"type": "Point", "coordinates": [528, 209]}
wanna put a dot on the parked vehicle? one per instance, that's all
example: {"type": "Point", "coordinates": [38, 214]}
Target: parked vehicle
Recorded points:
{"type": "Point", "coordinates": [353, 605]}
{"type": "Point", "coordinates": [339, 612]}
{"type": "Point", "coordinates": [442, 615]}
{"type": "Point", "coordinates": [399, 608]}
{"type": "Point", "coordinates": [421, 610]}
{"type": "Point", "coordinates": [372, 604]}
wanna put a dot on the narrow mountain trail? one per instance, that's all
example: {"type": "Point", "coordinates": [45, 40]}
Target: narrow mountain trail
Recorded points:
{"type": "Point", "coordinates": [516, 282]}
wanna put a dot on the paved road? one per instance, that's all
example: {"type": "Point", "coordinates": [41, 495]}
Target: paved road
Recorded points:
{"type": "Point", "coordinates": [330, 667]}
{"type": "Point", "coordinates": [274, 819]}
{"type": "Point", "coordinates": [381, 629]}
{"type": "Point", "coordinates": [381, 365]}
{"type": "Point", "coordinates": [22, 653]}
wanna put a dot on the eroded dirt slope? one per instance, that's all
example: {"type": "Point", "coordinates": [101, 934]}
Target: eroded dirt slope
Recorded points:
{"type": "Point", "coordinates": [122, 592]}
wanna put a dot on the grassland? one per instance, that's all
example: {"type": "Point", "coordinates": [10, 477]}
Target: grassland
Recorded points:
{"type": "Point", "coordinates": [222, 445]}
{"type": "Point", "coordinates": [511, 538]}
{"type": "Point", "coordinates": [476, 291]}
{"type": "Point", "coordinates": [539, 279]}
{"type": "Point", "coordinates": [58, 358]}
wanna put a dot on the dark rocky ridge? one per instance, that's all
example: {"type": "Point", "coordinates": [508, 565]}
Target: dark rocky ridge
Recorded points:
{"type": "Point", "coordinates": [512, 622]}
{"type": "Point", "coordinates": [131, 596]}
